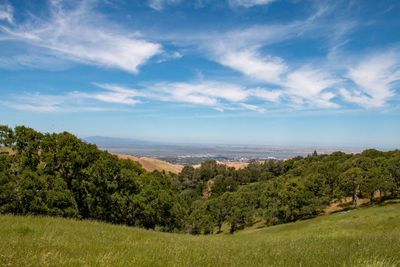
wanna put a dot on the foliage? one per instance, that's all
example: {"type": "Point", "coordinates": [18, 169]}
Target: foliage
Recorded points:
{"type": "Point", "coordinates": [60, 175]}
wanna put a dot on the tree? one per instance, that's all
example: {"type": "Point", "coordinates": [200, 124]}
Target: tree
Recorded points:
{"type": "Point", "coordinates": [222, 184]}
{"type": "Point", "coordinates": [393, 167]}
{"type": "Point", "coordinates": [6, 136]}
{"type": "Point", "coordinates": [350, 182]}
{"type": "Point", "coordinates": [219, 209]}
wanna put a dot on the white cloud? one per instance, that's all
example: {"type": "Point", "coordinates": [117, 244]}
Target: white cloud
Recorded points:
{"type": "Point", "coordinates": [374, 78]}
{"type": "Point", "coordinates": [217, 95]}
{"type": "Point", "coordinates": [166, 56]}
{"type": "Point", "coordinates": [7, 13]}
{"type": "Point", "coordinates": [37, 102]}
{"type": "Point", "coordinates": [251, 63]}
{"type": "Point", "coordinates": [75, 101]}
{"type": "Point", "coordinates": [310, 86]}
{"type": "Point", "coordinates": [80, 35]}
{"type": "Point", "coordinates": [116, 94]}
{"type": "Point", "coordinates": [212, 93]}
{"type": "Point", "coordinates": [249, 3]}
{"type": "Point", "coordinates": [266, 95]}
{"type": "Point", "coordinates": [160, 4]}
{"type": "Point", "coordinates": [252, 107]}
{"type": "Point", "coordinates": [243, 50]}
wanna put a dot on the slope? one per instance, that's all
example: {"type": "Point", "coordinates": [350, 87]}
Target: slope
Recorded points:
{"type": "Point", "coordinates": [363, 237]}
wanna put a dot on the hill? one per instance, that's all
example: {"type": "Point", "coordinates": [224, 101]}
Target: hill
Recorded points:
{"type": "Point", "coordinates": [362, 237]}
{"type": "Point", "coordinates": [234, 164]}
{"type": "Point", "coordinates": [6, 150]}
{"type": "Point", "coordinates": [152, 164]}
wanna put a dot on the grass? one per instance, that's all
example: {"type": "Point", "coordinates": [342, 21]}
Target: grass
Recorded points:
{"type": "Point", "coordinates": [152, 164]}
{"type": "Point", "coordinates": [363, 237]}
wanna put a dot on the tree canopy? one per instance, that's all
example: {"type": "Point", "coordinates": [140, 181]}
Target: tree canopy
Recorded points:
{"type": "Point", "coordinates": [60, 175]}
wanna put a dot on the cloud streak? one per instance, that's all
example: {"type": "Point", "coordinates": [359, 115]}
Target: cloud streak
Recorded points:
{"type": "Point", "coordinates": [160, 4]}
{"type": "Point", "coordinates": [7, 13]}
{"type": "Point", "coordinates": [218, 95]}
{"type": "Point", "coordinates": [80, 35]}
{"type": "Point", "coordinates": [374, 78]}
{"type": "Point", "coordinates": [249, 3]}
{"type": "Point", "coordinates": [213, 94]}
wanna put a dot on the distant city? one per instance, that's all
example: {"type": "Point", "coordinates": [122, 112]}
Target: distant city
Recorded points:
{"type": "Point", "coordinates": [190, 154]}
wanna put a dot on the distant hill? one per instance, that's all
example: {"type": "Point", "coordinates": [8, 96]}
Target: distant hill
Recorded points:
{"type": "Point", "coordinates": [152, 164]}
{"type": "Point", "coordinates": [114, 141]}
{"type": "Point", "coordinates": [6, 150]}
{"type": "Point", "coordinates": [234, 164]}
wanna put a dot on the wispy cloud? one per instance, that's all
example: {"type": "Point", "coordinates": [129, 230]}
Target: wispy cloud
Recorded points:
{"type": "Point", "coordinates": [7, 13]}
{"type": "Point", "coordinates": [44, 103]}
{"type": "Point", "coordinates": [80, 35]}
{"type": "Point", "coordinates": [249, 62]}
{"type": "Point", "coordinates": [242, 49]}
{"type": "Point", "coordinates": [374, 78]}
{"type": "Point", "coordinates": [305, 84]}
{"type": "Point", "coordinates": [249, 3]}
{"type": "Point", "coordinates": [214, 94]}
{"type": "Point", "coordinates": [115, 94]}
{"type": "Point", "coordinates": [160, 4]}
{"type": "Point", "coordinates": [308, 86]}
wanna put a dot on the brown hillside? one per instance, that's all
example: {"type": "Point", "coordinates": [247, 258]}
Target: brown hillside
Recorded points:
{"type": "Point", "coordinates": [152, 164]}
{"type": "Point", "coordinates": [237, 165]}
{"type": "Point", "coordinates": [6, 150]}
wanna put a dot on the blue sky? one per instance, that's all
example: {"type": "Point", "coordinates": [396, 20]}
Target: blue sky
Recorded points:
{"type": "Point", "coordinates": [283, 72]}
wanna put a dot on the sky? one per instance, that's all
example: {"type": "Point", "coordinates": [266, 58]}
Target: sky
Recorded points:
{"type": "Point", "coordinates": [259, 72]}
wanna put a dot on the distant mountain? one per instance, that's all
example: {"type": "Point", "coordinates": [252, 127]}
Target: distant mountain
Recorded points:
{"type": "Point", "coordinates": [105, 141]}
{"type": "Point", "coordinates": [195, 153]}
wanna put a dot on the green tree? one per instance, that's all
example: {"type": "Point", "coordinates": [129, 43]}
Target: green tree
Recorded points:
{"type": "Point", "coordinates": [6, 136]}
{"type": "Point", "coordinates": [350, 182]}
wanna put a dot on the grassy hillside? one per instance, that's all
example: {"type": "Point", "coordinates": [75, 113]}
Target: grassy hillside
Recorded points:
{"type": "Point", "coordinates": [235, 164]}
{"type": "Point", "coordinates": [152, 164]}
{"type": "Point", "coordinates": [363, 237]}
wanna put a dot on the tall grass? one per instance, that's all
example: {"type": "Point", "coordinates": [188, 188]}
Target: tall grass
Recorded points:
{"type": "Point", "coordinates": [363, 237]}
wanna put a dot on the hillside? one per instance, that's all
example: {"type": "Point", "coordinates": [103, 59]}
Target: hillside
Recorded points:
{"type": "Point", "coordinates": [152, 164]}
{"type": "Point", "coordinates": [6, 150]}
{"type": "Point", "coordinates": [234, 164]}
{"type": "Point", "coordinates": [363, 237]}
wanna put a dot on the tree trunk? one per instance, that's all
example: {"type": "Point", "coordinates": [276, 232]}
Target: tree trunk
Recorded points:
{"type": "Point", "coordinates": [233, 228]}
{"type": "Point", "coordinates": [371, 197]}
{"type": "Point", "coordinates": [355, 199]}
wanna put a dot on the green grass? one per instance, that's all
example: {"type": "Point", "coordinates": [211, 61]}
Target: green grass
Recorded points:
{"type": "Point", "coordinates": [363, 237]}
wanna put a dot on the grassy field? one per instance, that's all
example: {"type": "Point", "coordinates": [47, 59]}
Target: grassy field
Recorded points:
{"type": "Point", "coordinates": [363, 237]}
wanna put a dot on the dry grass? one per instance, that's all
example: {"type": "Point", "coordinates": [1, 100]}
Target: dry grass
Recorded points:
{"type": "Point", "coordinates": [237, 165]}
{"type": "Point", "coordinates": [7, 150]}
{"type": "Point", "coordinates": [347, 203]}
{"type": "Point", "coordinates": [152, 164]}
